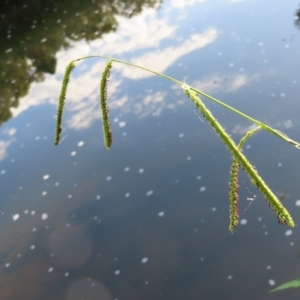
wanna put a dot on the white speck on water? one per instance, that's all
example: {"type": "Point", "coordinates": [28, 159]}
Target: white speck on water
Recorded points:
{"type": "Point", "coordinates": [289, 232]}
{"type": "Point", "coordinates": [181, 135]}
{"type": "Point", "coordinates": [149, 193]}
{"type": "Point", "coordinates": [146, 282]}
{"type": "Point", "coordinates": [248, 146]}
{"type": "Point", "coordinates": [44, 216]}
{"type": "Point", "coordinates": [44, 193]}
{"type": "Point", "coordinates": [198, 177]}
{"type": "Point", "coordinates": [202, 259]}
{"type": "Point", "coordinates": [26, 211]}
{"type": "Point", "coordinates": [141, 170]}
{"type": "Point", "coordinates": [271, 282]}
{"type": "Point", "coordinates": [297, 203]}
{"type": "Point", "coordinates": [292, 243]}
{"type": "Point", "coordinates": [219, 53]}
{"type": "Point", "coordinates": [202, 189]}
{"type": "Point", "coordinates": [259, 219]}
{"type": "Point", "coordinates": [213, 209]}
{"type": "Point", "coordinates": [243, 222]}
{"type": "Point", "coordinates": [108, 178]}
{"type": "Point", "coordinates": [282, 94]}
{"type": "Point", "coordinates": [34, 229]}
{"type": "Point", "coordinates": [70, 196]}
{"type": "Point", "coordinates": [68, 225]}
{"type": "Point", "coordinates": [287, 46]}
{"type": "Point", "coordinates": [8, 50]}
{"type": "Point", "coordinates": [231, 65]}
{"type": "Point", "coordinates": [188, 158]}
{"type": "Point", "coordinates": [161, 214]}
{"type": "Point", "coordinates": [229, 277]}
{"type": "Point", "coordinates": [127, 195]}
{"type": "Point", "coordinates": [122, 124]}
{"type": "Point", "coordinates": [117, 272]}
{"type": "Point", "coordinates": [45, 177]}
{"type": "Point", "coordinates": [67, 274]}
{"type": "Point", "coordinates": [126, 169]}
{"type": "Point", "coordinates": [56, 183]}
{"type": "Point", "coordinates": [279, 165]}
{"type": "Point", "coordinates": [73, 153]}
{"type": "Point", "coordinates": [32, 247]}
{"type": "Point", "coordinates": [266, 233]}
{"type": "Point", "coordinates": [269, 267]}
{"type": "Point", "coordinates": [116, 120]}
{"type": "Point", "coordinates": [2, 172]}
{"type": "Point", "coordinates": [124, 133]}
{"type": "Point", "coordinates": [50, 270]}
{"type": "Point", "coordinates": [15, 217]}
{"type": "Point", "coordinates": [80, 144]}
{"type": "Point", "coordinates": [7, 265]}
{"type": "Point", "coordinates": [43, 40]}
{"type": "Point", "coordinates": [98, 197]}
{"type": "Point", "coordinates": [37, 138]}
{"type": "Point", "coordinates": [144, 260]}
{"type": "Point", "coordinates": [260, 44]}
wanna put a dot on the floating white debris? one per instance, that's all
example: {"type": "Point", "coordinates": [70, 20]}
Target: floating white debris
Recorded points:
{"type": "Point", "coordinates": [202, 189]}
{"type": "Point", "coordinates": [149, 193]}
{"type": "Point", "coordinates": [70, 196]}
{"type": "Point", "coordinates": [80, 144]}
{"type": "Point", "coordinates": [56, 183]}
{"type": "Point", "coordinates": [117, 272]}
{"type": "Point", "coordinates": [259, 219]}
{"type": "Point", "coordinates": [34, 229]}
{"type": "Point", "coordinates": [46, 176]}
{"type": "Point", "coordinates": [44, 216]}
{"type": "Point", "coordinates": [15, 217]}
{"type": "Point", "coordinates": [188, 158]}
{"type": "Point", "coordinates": [33, 212]}
{"type": "Point", "coordinates": [67, 274]}
{"type": "Point", "coordinates": [198, 177]}
{"type": "Point", "coordinates": [297, 203]}
{"type": "Point", "coordinates": [161, 214]}
{"type": "Point", "coordinates": [26, 211]}
{"type": "Point", "coordinates": [98, 197]}
{"type": "Point", "coordinates": [141, 170]}
{"type": "Point", "coordinates": [144, 260]}
{"type": "Point", "coordinates": [44, 193]}
{"type": "Point", "coordinates": [126, 169]}
{"type": "Point", "coordinates": [181, 135]}
{"type": "Point", "coordinates": [127, 195]}
{"type": "Point", "coordinates": [269, 267]}
{"type": "Point", "coordinates": [271, 282]}
{"type": "Point", "coordinates": [289, 232]}
{"type": "Point", "coordinates": [279, 165]}
{"type": "Point", "coordinates": [37, 138]}
{"type": "Point", "coordinates": [7, 265]}
{"type": "Point", "coordinates": [292, 243]}
{"type": "Point", "coordinates": [260, 44]}
{"type": "Point", "coordinates": [229, 277]}
{"type": "Point", "coordinates": [73, 153]}
{"type": "Point", "coordinates": [32, 247]}
{"type": "Point", "coordinates": [2, 172]}
{"type": "Point", "coordinates": [243, 222]}
{"type": "Point", "coordinates": [213, 209]}
{"type": "Point", "coordinates": [122, 124]}
{"type": "Point", "coordinates": [108, 178]}
{"type": "Point", "coordinates": [50, 270]}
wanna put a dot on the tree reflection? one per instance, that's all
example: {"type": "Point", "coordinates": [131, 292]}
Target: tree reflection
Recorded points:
{"type": "Point", "coordinates": [32, 32]}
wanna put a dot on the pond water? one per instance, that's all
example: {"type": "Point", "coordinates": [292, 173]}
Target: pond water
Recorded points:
{"type": "Point", "coordinates": [149, 218]}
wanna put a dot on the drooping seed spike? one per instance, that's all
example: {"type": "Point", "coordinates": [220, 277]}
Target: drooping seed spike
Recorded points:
{"type": "Point", "coordinates": [104, 107]}
{"type": "Point", "coordinates": [61, 101]}
{"type": "Point", "coordinates": [241, 159]}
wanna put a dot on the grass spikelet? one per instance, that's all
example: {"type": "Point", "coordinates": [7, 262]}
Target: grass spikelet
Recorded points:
{"type": "Point", "coordinates": [233, 184]}
{"type": "Point", "coordinates": [282, 214]}
{"type": "Point", "coordinates": [61, 101]}
{"type": "Point", "coordinates": [104, 107]}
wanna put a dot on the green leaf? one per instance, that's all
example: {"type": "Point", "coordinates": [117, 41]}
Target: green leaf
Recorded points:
{"type": "Point", "coordinates": [291, 284]}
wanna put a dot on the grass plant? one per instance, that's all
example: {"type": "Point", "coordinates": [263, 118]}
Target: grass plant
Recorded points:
{"type": "Point", "coordinates": [239, 159]}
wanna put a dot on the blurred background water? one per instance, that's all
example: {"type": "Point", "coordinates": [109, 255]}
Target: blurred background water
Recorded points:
{"type": "Point", "coordinates": [149, 218]}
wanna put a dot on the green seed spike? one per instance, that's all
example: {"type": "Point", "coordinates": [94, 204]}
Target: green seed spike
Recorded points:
{"type": "Point", "coordinates": [282, 214]}
{"type": "Point", "coordinates": [61, 101]}
{"type": "Point", "coordinates": [233, 184]}
{"type": "Point", "coordinates": [103, 104]}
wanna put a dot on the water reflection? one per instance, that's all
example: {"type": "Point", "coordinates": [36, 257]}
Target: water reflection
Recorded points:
{"type": "Point", "coordinates": [32, 33]}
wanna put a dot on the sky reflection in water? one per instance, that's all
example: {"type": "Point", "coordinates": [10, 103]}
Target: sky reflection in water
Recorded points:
{"type": "Point", "coordinates": [149, 218]}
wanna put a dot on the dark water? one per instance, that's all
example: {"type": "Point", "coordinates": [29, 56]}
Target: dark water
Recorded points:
{"type": "Point", "coordinates": [149, 218]}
